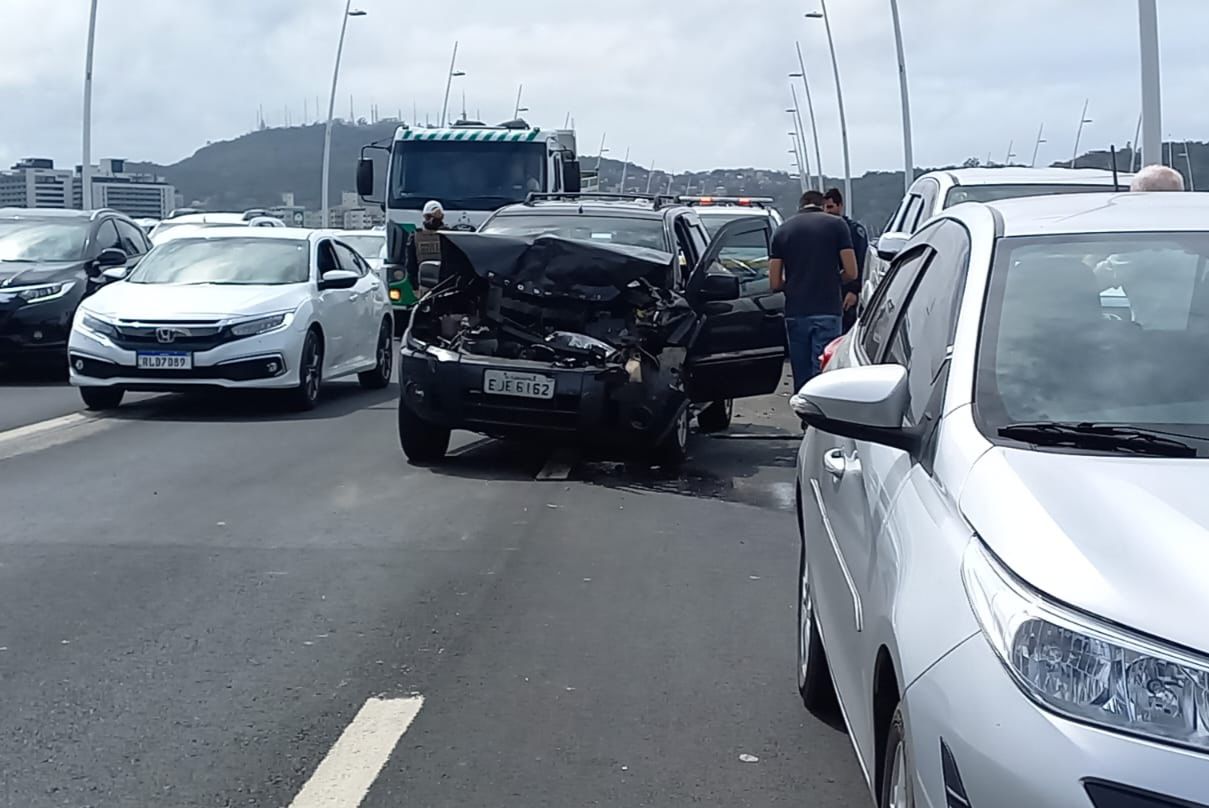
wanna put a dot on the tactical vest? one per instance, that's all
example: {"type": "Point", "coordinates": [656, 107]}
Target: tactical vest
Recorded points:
{"type": "Point", "coordinates": [428, 245]}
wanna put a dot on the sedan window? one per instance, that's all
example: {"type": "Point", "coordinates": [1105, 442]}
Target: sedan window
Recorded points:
{"type": "Point", "coordinates": [1104, 329]}
{"type": "Point", "coordinates": [228, 261]}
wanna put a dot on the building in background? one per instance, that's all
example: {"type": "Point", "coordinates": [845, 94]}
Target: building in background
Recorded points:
{"type": "Point", "coordinates": [350, 214]}
{"type": "Point", "coordinates": [138, 195]}
{"type": "Point", "coordinates": [292, 214]}
{"type": "Point", "coordinates": [35, 183]}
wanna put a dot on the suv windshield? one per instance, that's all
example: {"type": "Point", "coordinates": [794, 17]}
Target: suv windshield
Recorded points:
{"type": "Point", "coordinates": [1106, 329]}
{"type": "Point", "coordinates": [991, 193]}
{"type": "Point", "coordinates": [226, 261]}
{"type": "Point", "coordinates": [465, 175]}
{"type": "Point", "coordinates": [628, 230]}
{"type": "Point", "coordinates": [32, 240]}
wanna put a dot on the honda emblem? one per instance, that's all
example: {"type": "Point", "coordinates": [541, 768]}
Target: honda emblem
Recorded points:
{"type": "Point", "coordinates": [165, 335]}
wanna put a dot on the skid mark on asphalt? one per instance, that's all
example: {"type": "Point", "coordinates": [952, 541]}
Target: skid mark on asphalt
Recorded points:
{"type": "Point", "coordinates": [345, 774]}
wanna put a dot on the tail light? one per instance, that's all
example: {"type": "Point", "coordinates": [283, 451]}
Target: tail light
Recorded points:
{"type": "Point", "coordinates": [829, 352]}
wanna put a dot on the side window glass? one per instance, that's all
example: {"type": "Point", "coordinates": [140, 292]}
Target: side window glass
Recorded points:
{"type": "Point", "coordinates": [347, 258]}
{"type": "Point", "coordinates": [107, 237]}
{"type": "Point", "coordinates": [895, 225]}
{"type": "Point", "coordinates": [699, 237]}
{"type": "Point", "coordinates": [929, 190]}
{"type": "Point", "coordinates": [327, 258]}
{"type": "Point", "coordinates": [885, 309]}
{"type": "Point", "coordinates": [924, 333]}
{"type": "Point", "coordinates": [131, 237]}
{"type": "Point", "coordinates": [747, 257]}
{"type": "Point", "coordinates": [915, 206]}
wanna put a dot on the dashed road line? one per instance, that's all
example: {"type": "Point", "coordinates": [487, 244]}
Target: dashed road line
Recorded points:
{"type": "Point", "coordinates": [345, 775]}
{"type": "Point", "coordinates": [559, 465]}
{"type": "Point", "coordinates": [53, 432]}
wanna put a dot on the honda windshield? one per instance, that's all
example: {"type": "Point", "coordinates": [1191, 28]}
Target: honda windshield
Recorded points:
{"type": "Point", "coordinates": [465, 174]}
{"type": "Point", "coordinates": [34, 240]}
{"type": "Point", "coordinates": [228, 261]}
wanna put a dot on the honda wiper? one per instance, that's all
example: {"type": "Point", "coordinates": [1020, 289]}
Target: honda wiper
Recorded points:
{"type": "Point", "coordinates": [1102, 437]}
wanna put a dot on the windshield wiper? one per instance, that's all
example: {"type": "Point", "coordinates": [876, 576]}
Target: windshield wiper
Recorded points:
{"type": "Point", "coordinates": [1103, 437]}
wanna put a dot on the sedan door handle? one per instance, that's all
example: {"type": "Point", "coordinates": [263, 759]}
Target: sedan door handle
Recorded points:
{"type": "Point", "coordinates": [837, 465]}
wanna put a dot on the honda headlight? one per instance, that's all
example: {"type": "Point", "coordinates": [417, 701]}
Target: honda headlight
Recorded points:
{"type": "Point", "coordinates": [97, 326]}
{"type": "Point", "coordinates": [42, 292]}
{"type": "Point", "coordinates": [1085, 669]}
{"type": "Point", "coordinates": [262, 325]}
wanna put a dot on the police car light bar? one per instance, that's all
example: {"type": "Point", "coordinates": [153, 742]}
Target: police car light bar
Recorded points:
{"type": "Point", "coordinates": [745, 201]}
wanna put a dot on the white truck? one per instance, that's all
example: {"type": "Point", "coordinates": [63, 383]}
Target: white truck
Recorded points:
{"type": "Point", "coordinates": [471, 169]}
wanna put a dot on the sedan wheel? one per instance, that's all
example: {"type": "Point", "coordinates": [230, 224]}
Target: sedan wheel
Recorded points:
{"type": "Point", "coordinates": [310, 374]}
{"type": "Point", "coordinates": [814, 676]}
{"type": "Point", "coordinates": [897, 791]}
{"type": "Point", "coordinates": [379, 377]}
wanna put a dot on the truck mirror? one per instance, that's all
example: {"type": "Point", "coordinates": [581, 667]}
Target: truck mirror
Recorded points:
{"type": "Point", "coordinates": [365, 177]}
{"type": "Point", "coordinates": [571, 178]}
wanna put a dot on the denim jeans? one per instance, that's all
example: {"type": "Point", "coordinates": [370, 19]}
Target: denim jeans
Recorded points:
{"type": "Point", "coordinates": [808, 336]}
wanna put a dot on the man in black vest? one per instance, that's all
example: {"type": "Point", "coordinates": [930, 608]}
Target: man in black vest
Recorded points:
{"type": "Point", "coordinates": [425, 244]}
{"type": "Point", "coordinates": [860, 245]}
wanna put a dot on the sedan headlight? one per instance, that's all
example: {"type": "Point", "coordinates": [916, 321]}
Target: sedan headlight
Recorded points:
{"type": "Point", "coordinates": [42, 292]}
{"type": "Point", "coordinates": [97, 326]}
{"type": "Point", "coordinates": [1085, 669]}
{"type": "Point", "coordinates": [261, 325]}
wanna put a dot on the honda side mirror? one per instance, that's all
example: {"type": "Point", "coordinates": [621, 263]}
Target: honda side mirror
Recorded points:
{"type": "Point", "coordinates": [115, 274]}
{"type": "Point", "coordinates": [339, 279]}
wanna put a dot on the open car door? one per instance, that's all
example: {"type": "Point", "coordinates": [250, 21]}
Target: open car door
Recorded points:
{"type": "Point", "coordinates": [740, 349]}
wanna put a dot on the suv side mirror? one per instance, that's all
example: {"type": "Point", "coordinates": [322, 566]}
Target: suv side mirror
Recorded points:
{"type": "Point", "coordinates": [719, 285]}
{"type": "Point", "coordinates": [338, 279]}
{"type": "Point", "coordinates": [110, 257]}
{"type": "Point", "coordinates": [430, 274]}
{"type": "Point", "coordinates": [865, 403]}
{"type": "Point", "coordinates": [365, 177]}
{"type": "Point", "coordinates": [890, 245]}
{"type": "Point", "coordinates": [115, 274]}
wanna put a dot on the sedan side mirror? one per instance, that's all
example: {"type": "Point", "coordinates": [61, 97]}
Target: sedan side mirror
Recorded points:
{"type": "Point", "coordinates": [890, 245]}
{"type": "Point", "coordinates": [430, 274]}
{"type": "Point", "coordinates": [339, 279]}
{"type": "Point", "coordinates": [716, 286]}
{"type": "Point", "coordinates": [865, 403]}
{"type": "Point", "coordinates": [115, 274]}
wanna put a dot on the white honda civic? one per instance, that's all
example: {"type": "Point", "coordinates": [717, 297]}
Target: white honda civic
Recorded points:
{"type": "Point", "coordinates": [236, 308]}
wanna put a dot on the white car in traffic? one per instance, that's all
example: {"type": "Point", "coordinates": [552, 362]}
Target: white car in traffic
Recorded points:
{"type": "Point", "coordinates": [188, 223]}
{"type": "Point", "coordinates": [277, 308]}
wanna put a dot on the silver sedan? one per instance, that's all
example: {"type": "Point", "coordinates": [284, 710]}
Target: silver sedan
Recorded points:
{"type": "Point", "coordinates": [1003, 513]}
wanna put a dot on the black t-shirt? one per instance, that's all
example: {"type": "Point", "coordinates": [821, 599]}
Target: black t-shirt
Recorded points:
{"type": "Point", "coordinates": [809, 244]}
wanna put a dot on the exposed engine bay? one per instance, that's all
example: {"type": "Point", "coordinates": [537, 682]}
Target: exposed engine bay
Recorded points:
{"type": "Point", "coordinates": [568, 304]}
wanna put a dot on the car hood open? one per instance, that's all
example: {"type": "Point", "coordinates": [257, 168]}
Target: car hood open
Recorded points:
{"type": "Point", "coordinates": [552, 266]}
{"type": "Point", "coordinates": [1123, 538]}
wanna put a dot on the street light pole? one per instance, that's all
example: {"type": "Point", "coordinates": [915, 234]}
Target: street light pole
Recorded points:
{"type": "Point", "coordinates": [1079, 133]}
{"type": "Point", "coordinates": [349, 11]}
{"type": "Point", "coordinates": [797, 157]}
{"type": "Point", "coordinates": [839, 98]}
{"type": "Point", "coordinates": [650, 175]}
{"type": "Point", "coordinates": [86, 164]}
{"type": "Point", "coordinates": [908, 156]}
{"type": "Point", "coordinates": [797, 114]}
{"type": "Point", "coordinates": [1037, 145]}
{"type": "Point", "coordinates": [1007, 161]}
{"type": "Point", "coordinates": [814, 129]}
{"type": "Point", "coordinates": [600, 154]}
{"type": "Point", "coordinates": [516, 113]}
{"type": "Point", "coordinates": [625, 166]}
{"type": "Point", "coordinates": [1188, 160]}
{"type": "Point", "coordinates": [449, 82]}
{"type": "Point", "coordinates": [1152, 105]}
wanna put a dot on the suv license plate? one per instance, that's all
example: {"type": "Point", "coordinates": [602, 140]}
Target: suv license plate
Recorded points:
{"type": "Point", "coordinates": [524, 385]}
{"type": "Point", "coordinates": [164, 360]}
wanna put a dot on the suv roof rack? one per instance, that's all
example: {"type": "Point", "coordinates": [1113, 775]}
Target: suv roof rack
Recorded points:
{"type": "Point", "coordinates": [742, 201]}
{"type": "Point", "coordinates": [657, 200]}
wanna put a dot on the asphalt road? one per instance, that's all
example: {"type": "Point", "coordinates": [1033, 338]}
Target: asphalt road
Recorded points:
{"type": "Point", "coordinates": [28, 396]}
{"type": "Point", "coordinates": [208, 602]}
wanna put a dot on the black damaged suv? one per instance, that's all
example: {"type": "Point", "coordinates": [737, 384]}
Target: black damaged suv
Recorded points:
{"type": "Point", "coordinates": [594, 319]}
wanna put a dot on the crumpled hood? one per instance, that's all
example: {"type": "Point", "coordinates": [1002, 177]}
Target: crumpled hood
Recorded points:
{"type": "Point", "coordinates": [162, 301]}
{"type": "Point", "coordinates": [549, 265]}
{"type": "Point", "coordinates": [28, 273]}
{"type": "Point", "coordinates": [1123, 538]}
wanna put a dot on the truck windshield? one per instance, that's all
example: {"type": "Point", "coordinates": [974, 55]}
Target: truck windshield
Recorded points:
{"type": "Point", "coordinates": [465, 175]}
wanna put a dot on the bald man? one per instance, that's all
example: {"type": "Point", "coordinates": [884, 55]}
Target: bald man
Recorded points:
{"type": "Point", "coordinates": [1157, 178]}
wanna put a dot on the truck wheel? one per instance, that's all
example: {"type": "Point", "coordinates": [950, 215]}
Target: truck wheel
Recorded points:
{"type": "Point", "coordinates": [422, 442]}
{"type": "Point", "coordinates": [716, 417]}
{"type": "Point", "coordinates": [102, 398]}
{"type": "Point", "coordinates": [673, 449]}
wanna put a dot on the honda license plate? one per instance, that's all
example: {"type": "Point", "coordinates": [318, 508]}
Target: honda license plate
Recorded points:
{"type": "Point", "coordinates": [511, 383]}
{"type": "Point", "coordinates": [165, 360]}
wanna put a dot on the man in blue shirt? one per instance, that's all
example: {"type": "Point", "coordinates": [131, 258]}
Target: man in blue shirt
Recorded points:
{"type": "Point", "coordinates": [808, 251]}
{"type": "Point", "coordinates": [834, 205]}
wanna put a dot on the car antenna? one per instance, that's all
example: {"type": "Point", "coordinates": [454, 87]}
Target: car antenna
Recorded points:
{"type": "Point", "coordinates": [1116, 182]}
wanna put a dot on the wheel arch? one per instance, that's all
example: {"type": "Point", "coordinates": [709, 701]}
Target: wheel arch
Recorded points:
{"type": "Point", "coordinates": [886, 696]}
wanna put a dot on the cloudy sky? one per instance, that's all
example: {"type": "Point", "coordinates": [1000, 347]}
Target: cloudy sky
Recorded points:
{"type": "Point", "coordinates": [686, 84]}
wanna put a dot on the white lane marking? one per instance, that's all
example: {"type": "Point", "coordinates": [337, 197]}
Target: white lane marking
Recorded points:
{"type": "Point", "coordinates": [53, 432]}
{"type": "Point", "coordinates": [344, 776]}
{"type": "Point", "coordinates": [558, 465]}
{"type": "Point", "coordinates": [467, 448]}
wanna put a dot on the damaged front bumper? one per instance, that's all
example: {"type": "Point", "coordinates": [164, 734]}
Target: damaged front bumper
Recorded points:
{"type": "Point", "coordinates": [615, 406]}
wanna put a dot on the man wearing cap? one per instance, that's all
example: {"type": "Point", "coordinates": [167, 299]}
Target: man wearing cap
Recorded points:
{"type": "Point", "coordinates": [425, 244]}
